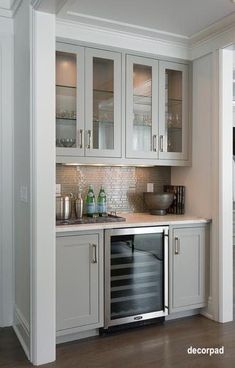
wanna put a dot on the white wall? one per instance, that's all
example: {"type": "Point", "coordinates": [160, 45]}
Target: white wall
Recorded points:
{"type": "Point", "coordinates": [209, 181]}
{"type": "Point", "coordinates": [6, 172]}
{"type": "Point", "coordinates": [22, 164]}
{"type": "Point", "coordinates": [43, 296]}
{"type": "Point", "coordinates": [35, 183]}
{"type": "Point", "coordinates": [197, 178]}
{"type": "Point", "coordinates": [200, 179]}
{"type": "Point", "coordinates": [225, 182]}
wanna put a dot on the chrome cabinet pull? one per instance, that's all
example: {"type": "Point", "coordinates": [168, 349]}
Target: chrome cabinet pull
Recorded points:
{"type": "Point", "coordinates": [81, 138]}
{"type": "Point", "coordinates": [177, 245]}
{"type": "Point", "coordinates": [94, 253]}
{"type": "Point", "coordinates": [154, 143]}
{"type": "Point", "coordinates": [89, 139]}
{"type": "Point", "coordinates": [161, 143]}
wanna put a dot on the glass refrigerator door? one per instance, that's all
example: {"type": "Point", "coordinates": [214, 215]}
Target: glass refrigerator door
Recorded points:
{"type": "Point", "coordinates": [137, 274]}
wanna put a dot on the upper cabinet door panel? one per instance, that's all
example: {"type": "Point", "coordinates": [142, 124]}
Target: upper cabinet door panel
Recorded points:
{"type": "Point", "coordinates": [141, 107]}
{"type": "Point", "coordinates": [173, 111]}
{"type": "Point", "coordinates": [69, 100]}
{"type": "Point", "coordinates": [103, 103]}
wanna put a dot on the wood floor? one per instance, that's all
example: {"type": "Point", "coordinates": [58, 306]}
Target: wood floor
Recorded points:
{"type": "Point", "coordinates": [163, 346]}
{"type": "Point", "coordinates": [233, 282]}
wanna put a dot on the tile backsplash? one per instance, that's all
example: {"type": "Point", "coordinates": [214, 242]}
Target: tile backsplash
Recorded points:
{"type": "Point", "coordinates": [124, 186]}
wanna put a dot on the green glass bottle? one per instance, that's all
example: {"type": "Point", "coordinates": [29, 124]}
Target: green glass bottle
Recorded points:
{"type": "Point", "coordinates": [101, 202]}
{"type": "Point", "coordinates": [90, 202]}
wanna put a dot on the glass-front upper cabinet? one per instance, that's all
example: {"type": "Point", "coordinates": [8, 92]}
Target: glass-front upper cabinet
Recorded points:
{"type": "Point", "coordinates": [141, 107]}
{"type": "Point", "coordinates": [103, 103]}
{"type": "Point", "coordinates": [69, 100]}
{"type": "Point", "coordinates": [173, 111]}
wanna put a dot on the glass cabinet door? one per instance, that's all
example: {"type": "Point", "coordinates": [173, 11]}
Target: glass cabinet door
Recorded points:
{"type": "Point", "coordinates": [141, 107]}
{"type": "Point", "coordinates": [173, 112]}
{"type": "Point", "coordinates": [103, 103]}
{"type": "Point", "coordinates": [69, 100]}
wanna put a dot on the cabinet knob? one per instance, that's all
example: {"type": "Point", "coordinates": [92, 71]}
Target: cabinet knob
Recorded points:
{"type": "Point", "coordinates": [177, 245]}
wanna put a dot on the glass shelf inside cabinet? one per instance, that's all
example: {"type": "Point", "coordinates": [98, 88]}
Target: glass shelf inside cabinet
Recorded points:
{"type": "Point", "coordinates": [173, 101]}
{"type": "Point", "coordinates": [142, 100]}
{"type": "Point", "coordinates": [66, 99]}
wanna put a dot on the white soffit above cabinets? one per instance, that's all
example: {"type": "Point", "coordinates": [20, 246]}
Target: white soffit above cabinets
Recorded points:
{"type": "Point", "coordinates": [179, 19]}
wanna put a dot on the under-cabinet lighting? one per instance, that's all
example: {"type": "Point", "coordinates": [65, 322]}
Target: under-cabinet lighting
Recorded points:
{"type": "Point", "coordinates": [107, 165]}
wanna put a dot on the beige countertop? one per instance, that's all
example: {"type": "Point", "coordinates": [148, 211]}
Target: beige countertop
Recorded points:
{"type": "Point", "coordinates": [136, 220]}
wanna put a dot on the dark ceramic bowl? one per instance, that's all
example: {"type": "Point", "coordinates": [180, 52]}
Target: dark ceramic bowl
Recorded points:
{"type": "Point", "coordinates": [158, 203]}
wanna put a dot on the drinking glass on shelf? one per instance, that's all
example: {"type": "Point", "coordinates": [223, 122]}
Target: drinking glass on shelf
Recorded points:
{"type": "Point", "coordinates": [169, 145]}
{"type": "Point", "coordinates": [177, 121]}
{"type": "Point", "coordinates": [170, 120]}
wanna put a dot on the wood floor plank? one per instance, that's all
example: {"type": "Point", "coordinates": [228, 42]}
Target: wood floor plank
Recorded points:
{"type": "Point", "coordinates": [163, 346]}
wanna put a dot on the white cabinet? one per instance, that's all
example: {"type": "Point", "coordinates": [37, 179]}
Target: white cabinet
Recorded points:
{"type": "Point", "coordinates": [79, 282]}
{"type": "Point", "coordinates": [103, 103]}
{"type": "Point", "coordinates": [157, 118]}
{"type": "Point", "coordinates": [141, 107]}
{"type": "Point", "coordinates": [70, 116]}
{"type": "Point", "coordinates": [173, 111]}
{"type": "Point", "coordinates": [188, 257]}
{"type": "Point", "coordinates": [115, 108]}
{"type": "Point", "coordinates": [88, 102]}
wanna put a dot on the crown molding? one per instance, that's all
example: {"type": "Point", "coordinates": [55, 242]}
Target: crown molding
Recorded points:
{"type": "Point", "coordinates": [214, 30]}
{"type": "Point", "coordinates": [81, 27]}
{"type": "Point", "coordinates": [77, 31]}
{"type": "Point", "coordinates": [6, 13]}
{"type": "Point", "coordinates": [9, 9]}
{"type": "Point", "coordinates": [123, 26]}
{"type": "Point", "coordinates": [52, 6]}
{"type": "Point", "coordinates": [217, 36]}
{"type": "Point", "coordinates": [6, 26]}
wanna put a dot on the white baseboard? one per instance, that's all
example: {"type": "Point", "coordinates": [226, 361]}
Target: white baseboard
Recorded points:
{"type": "Point", "coordinates": [177, 315]}
{"type": "Point", "coordinates": [21, 328]}
{"type": "Point", "coordinates": [76, 336]}
{"type": "Point", "coordinates": [207, 315]}
{"type": "Point", "coordinates": [207, 312]}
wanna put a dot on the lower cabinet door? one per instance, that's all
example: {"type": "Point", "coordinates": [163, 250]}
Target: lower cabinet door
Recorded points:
{"type": "Point", "coordinates": [78, 272]}
{"type": "Point", "coordinates": [188, 282]}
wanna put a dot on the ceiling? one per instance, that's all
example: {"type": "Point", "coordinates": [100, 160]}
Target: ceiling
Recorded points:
{"type": "Point", "coordinates": [181, 17]}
